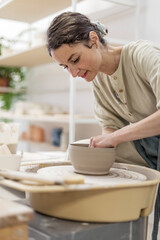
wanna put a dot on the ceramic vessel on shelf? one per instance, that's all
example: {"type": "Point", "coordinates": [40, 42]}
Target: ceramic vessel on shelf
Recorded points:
{"type": "Point", "coordinates": [11, 162]}
{"type": "Point", "coordinates": [94, 161]}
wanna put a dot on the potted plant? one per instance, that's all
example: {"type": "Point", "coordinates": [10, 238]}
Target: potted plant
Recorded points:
{"type": "Point", "coordinates": [12, 77]}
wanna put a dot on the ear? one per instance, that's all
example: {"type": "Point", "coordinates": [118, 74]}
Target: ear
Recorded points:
{"type": "Point", "coordinates": [93, 37]}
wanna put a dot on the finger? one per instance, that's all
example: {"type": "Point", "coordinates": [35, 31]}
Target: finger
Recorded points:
{"type": "Point", "coordinates": [91, 145]}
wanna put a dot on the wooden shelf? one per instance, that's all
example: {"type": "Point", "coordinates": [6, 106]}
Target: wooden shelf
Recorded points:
{"type": "Point", "coordinates": [39, 55]}
{"type": "Point", "coordinates": [11, 90]}
{"type": "Point", "coordinates": [60, 118]}
{"type": "Point", "coordinates": [129, 3]}
{"type": "Point", "coordinates": [42, 145]}
{"type": "Point", "coordinates": [32, 10]}
{"type": "Point", "coordinates": [28, 58]}
{"type": "Point", "coordinates": [36, 56]}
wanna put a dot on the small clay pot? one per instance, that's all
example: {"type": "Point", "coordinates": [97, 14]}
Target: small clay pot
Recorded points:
{"type": "Point", "coordinates": [36, 134]}
{"type": "Point", "coordinates": [94, 161]}
{"type": "Point", "coordinates": [4, 82]}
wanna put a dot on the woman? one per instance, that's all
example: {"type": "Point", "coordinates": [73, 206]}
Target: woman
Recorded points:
{"type": "Point", "coordinates": [126, 85]}
{"type": "Point", "coordinates": [126, 81]}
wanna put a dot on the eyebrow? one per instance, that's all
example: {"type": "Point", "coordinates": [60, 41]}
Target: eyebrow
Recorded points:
{"type": "Point", "coordinates": [72, 55]}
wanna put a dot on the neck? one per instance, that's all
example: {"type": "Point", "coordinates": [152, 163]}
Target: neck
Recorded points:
{"type": "Point", "coordinates": [110, 59]}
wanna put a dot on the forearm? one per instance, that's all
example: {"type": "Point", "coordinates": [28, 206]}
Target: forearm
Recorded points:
{"type": "Point", "coordinates": [147, 127]}
{"type": "Point", "coordinates": [108, 130]}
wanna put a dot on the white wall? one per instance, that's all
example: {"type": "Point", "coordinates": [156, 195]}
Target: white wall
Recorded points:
{"type": "Point", "coordinates": [50, 83]}
{"type": "Point", "coordinates": [131, 25]}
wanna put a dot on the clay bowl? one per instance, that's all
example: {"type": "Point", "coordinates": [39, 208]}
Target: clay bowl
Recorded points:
{"type": "Point", "coordinates": [93, 161]}
{"type": "Point", "coordinates": [11, 162]}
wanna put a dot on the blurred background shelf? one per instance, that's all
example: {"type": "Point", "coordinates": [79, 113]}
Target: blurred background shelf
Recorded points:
{"type": "Point", "coordinates": [30, 57]}
{"type": "Point", "coordinates": [31, 146]}
{"type": "Point", "coordinates": [35, 56]}
{"type": "Point", "coordinates": [11, 90]}
{"type": "Point", "coordinates": [59, 118]}
{"type": "Point", "coordinates": [31, 10]}
{"type": "Point", "coordinates": [129, 3]}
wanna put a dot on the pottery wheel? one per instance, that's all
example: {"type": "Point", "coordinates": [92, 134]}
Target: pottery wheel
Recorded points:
{"type": "Point", "coordinates": [115, 176]}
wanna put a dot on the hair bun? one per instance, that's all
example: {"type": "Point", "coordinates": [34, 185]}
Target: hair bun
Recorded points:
{"type": "Point", "coordinates": [101, 28]}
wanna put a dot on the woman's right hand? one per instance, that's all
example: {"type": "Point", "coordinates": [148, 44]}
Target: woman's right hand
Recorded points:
{"type": "Point", "coordinates": [102, 141]}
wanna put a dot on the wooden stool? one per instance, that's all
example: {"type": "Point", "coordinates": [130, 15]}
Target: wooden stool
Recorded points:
{"type": "Point", "coordinates": [13, 220]}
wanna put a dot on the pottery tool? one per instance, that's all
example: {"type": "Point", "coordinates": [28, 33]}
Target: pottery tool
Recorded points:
{"type": "Point", "coordinates": [46, 163]}
{"type": "Point", "coordinates": [34, 177]}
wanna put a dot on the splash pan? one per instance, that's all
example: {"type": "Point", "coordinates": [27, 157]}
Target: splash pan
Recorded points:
{"type": "Point", "coordinates": [125, 194]}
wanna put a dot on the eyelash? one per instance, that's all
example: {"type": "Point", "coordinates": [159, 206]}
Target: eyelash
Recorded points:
{"type": "Point", "coordinates": [75, 61]}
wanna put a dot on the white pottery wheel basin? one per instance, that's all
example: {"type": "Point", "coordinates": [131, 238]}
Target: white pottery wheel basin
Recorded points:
{"type": "Point", "coordinates": [125, 194]}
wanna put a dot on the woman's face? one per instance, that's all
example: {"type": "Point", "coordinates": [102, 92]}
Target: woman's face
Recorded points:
{"type": "Point", "coordinates": [79, 60]}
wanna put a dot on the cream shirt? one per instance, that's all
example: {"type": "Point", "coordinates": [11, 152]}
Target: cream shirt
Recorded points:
{"type": "Point", "coordinates": [133, 91]}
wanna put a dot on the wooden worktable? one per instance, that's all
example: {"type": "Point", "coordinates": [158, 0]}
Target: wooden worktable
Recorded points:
{"type": "Point", "coordinates": [14, 218]}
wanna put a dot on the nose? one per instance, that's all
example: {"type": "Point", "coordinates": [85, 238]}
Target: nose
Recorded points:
{"type": "Point", "coordinates": [73, 71]}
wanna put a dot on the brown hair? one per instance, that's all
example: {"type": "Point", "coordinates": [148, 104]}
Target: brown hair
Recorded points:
{"type": "Point", "coordinates": [70, 28]}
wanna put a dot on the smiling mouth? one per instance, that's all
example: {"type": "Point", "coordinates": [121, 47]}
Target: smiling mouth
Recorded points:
{"type": "Point", "coordinates": [84, 75]}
